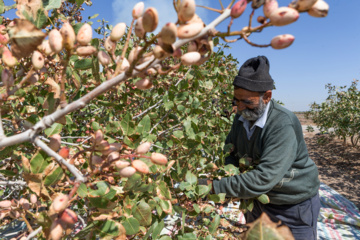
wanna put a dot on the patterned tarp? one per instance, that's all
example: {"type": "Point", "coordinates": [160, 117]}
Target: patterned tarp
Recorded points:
{"type": "Point", "coordinates": [339, 218]}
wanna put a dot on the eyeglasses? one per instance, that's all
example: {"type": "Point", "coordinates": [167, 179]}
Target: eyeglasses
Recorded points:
{"type": "Point", "coordinates": [236, 102]}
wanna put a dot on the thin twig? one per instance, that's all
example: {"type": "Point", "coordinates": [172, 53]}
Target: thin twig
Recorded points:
{"type": "Point", "coordinates": [157, 104]}
{"type": "Point", "coordinates": [82, 221]}
{"type": "Point", "coordinates": [63, 78]}
{"type": "Point", "coordinates": [167, 130]}
{"type": "Point", "coordinates": [34, 233]}
{"type": "Point", "coordinates": [13, 183]}
{"type": "Point", "coordinates": [211, 9]}
{"type": "Point", "coordinates": [175, 6]}
{"type": "Point", "coordinates": [254, 44]}
{"type": "Point", "coordinates": [230, 4]}
{"type": "Point", "coordinates": [222, 6]}
{"type": "Point", "coordinates": [251, 17]}
{"type": "Point", "coordinates": [79, 177]}
{"type": "Point", "coordinates": [3, 198]}
{"type": "Point", "coordinates": [67, 143]}
{"type": "Point", "coordinates": [160, 120]}
{"type": "Point", "coordinates": [153, 106]}
{"type": "Point", "coordinates": [230, 41]}
{"type": "Point", "coordinates": [5, 95]}
{"type": "Point", "coordinates": [27, 223]}
{"type": "Point", "coordinates": [118, 66]}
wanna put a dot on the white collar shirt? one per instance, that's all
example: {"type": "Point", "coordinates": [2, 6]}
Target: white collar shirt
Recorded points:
{"type": "Point", "coordinates": [260, 122]}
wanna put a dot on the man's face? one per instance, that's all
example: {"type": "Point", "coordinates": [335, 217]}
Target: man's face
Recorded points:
{"type": "Point", "coordinates": [251, 105]}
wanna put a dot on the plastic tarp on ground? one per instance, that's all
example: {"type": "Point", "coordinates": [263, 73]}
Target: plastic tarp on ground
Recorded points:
{"type": "Point", "coordinates": [339, 218]}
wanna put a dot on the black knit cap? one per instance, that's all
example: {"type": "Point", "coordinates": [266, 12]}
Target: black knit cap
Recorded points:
{"type": "Point", "coordinates": [254, 75]}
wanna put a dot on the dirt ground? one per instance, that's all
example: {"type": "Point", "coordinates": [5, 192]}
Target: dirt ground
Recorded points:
{"type": "Point", "coordinates": [339, 165]}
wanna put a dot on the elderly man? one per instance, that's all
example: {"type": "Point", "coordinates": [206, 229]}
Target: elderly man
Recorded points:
{"type": "Point", "coordinates": [272, 137]}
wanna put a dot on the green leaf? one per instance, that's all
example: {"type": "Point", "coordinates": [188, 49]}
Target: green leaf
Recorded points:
{"type": "Point", "coordinates": [191, 178]}
{"type": "Point", "coordinates": [82, 190]}
{"type": "Point", "coordinates": [188, 236]}
{"type": "Point", "coordinates": [165, 205]}
{"type": "Point", "coordinates": [250, 205]}
{"type": "Point", "coordinates": [127, 125]}
{"type": "Point", "coordinates": [51, 4]}
{"type": "Point", "coordinates": [54, 176]}
{"type": "Point", "coordinates": [95, 126]}
{"type": "Point", "coordinates": [133, 181]}
{"type": "Point", "coordinates": [157, 230]}
{"type": "Point", "coordinates": [217, 198]}
{"type": "Point", "coordinates": [93, 16]}
{"type": "Point", "coordinates": [128, 142]}
{"type": "Point", "coordinates": [214, 224]}
{"type": "Point", "coordinates": [7, 173]}
{"type": "Point", "coordinates": [39, 162]}
{"type": "Point", "coordinates": [109, 228]}
{"type": "Point", "coordinates": [178, 134]}
{"type": "Point", "coordinates": [185, 186]}
{"type": "Point", "coordinates": [263, 228]}
{"type": "Point", "coordinates": [228, 148]}
{"type": "Point", "coordinates": [197, 208]}
{"type": "Point", "coordinates": [180, 108]}
{"type": "Point", "coordinates": [202, 190]}
{"type": "Point", "coordinates": [165, 237]}
{"type": "Point", "coordinates": [243, 161]}
{"type": "Point", "coordinates": [189, 129]}
{"type": "Point", "coordinates": [264, 199]}
{"type": "Point", "coordinates": [56, 128]}
{"type": "Point", "coordinates": [2, 7]}
{"type": "Point", "coordinates": [142, 213]}
{"type": "Point", "coordinates": [41, 19]}
{"type": "Point", "coordinates": [164, 190]}
{"type": "Point", "coordinates": [101, 188]}
{"type": "Point", "coordinates": [216, 41]}
{"type": "Point", "coordinates": [113, 127]}
{"type": "Point", "coordinates": [86, 230]}
{"type": "Point", "coordinates": [80, 2]}
{"type": "Point", "coordinates": [150, 231]}
{"type": "Point", "coordinates": [83, 64]}
{"type": "Point", "coordinates": [98, 202]}
{"type": "Point", "coordinates": [144, 125]}
{"type": "Point", "coordinates": [232, 170]}
{"type": "Point", "coordinates": [131, 226]}
{"type": "Point", "coordinates": [168, 105]}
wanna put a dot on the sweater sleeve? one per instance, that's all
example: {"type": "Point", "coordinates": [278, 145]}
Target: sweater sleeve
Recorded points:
{"type": "Point", "coordinates": [279, 153]}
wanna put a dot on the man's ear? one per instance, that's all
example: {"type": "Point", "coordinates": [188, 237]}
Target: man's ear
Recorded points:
{"type": "Point", "coordinates": [267, 96]}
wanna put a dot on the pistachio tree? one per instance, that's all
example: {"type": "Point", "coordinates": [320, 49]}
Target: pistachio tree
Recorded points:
{"type": "Point", "coordinates": [105, 131]}
{"type": "Point", "coordinates": [339, 113]}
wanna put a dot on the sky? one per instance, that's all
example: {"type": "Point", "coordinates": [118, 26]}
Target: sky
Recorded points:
{"type": "Point", "coordinates": [325, 50]}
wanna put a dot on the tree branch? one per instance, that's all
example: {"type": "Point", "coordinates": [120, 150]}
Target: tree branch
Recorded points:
{"type": "Point", "coordinates": [60, 160]}
{"type": "Point", "coordinates": [47, 121]}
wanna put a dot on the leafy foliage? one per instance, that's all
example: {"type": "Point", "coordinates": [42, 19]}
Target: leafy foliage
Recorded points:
{"type": "Point", "coordinates": [340, 112]}
{"type": "Point", "coordinates": [73, 121]}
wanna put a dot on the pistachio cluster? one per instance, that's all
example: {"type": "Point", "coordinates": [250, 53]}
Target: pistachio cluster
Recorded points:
{"type": "Point", "coordinates": [104, 156]}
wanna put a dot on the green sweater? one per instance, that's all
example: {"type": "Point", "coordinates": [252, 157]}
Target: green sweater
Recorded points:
{"type": "Point", "coordinates": [284, 170]}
